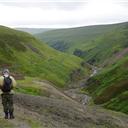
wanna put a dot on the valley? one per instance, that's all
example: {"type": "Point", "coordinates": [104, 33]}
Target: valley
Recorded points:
{"type": "Point", "coordinates": [83, 85]}
{"type": "Point", "coordinates": [57, 108]}
{"type": "Point", "coordinates": [104, 47]}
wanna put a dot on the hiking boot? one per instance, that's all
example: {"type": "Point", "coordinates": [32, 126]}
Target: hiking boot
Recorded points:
{"type": "Point", "coordinates": [11, 115]}
{"type": "Point", "coordinates": [6, 115]}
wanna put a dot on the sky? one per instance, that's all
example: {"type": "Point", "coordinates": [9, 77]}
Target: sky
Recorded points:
{"type": "Point", "coordinates": [62, 13]}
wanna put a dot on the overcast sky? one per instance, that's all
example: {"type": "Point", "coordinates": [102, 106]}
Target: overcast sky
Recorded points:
{"type": "Point", "coordinates": [62, 13]}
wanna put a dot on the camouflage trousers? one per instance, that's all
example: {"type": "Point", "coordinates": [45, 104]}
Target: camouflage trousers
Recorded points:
{"type": "Point", "coordinates": [7, 101]}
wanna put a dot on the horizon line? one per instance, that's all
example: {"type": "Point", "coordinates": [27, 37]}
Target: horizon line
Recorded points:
{"type": "Point", "coordinates": [63, 27]}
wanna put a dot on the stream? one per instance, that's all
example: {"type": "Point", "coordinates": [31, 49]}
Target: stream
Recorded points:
{"type": "Point", "coordinates": [76, 94]}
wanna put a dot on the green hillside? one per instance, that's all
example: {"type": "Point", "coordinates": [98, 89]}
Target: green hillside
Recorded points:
{"type": "Point", "coordinates": [110, 47]}
{"type": "Point", "coordinates": [106, 47]}
{"type": "Point", "coordinates": [23, 53]}
{"type": "Point", "coordinates": [110, 87]}
{"type": "Point", "coordinates": [68, 40]}
{"type": "Point", "coordinates": [93, 43]}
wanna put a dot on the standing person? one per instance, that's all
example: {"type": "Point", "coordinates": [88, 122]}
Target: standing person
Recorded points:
{"type": "Point", "coordinates": [7, 83]}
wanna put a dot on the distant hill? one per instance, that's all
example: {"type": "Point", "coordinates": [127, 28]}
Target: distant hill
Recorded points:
{"type": "Point", "coordinates": [34, 30]}
{"type": "Point", "coordinates": [21, 52]}
{"type": "Point", "coordinates": [110, 47]}
{"type": "Point", "coordinates": [68, 40]}
{"type": "Point", "coordinates": [93, 43]}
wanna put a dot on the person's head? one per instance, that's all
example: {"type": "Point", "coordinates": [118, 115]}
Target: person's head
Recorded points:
{"type": "Point", "coordinates": [6, 72]}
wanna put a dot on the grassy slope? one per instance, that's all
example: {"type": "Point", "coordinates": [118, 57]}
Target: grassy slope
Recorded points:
{"type": "Point", "coordinates": [98, 43]}
{"type": "Point", "coordinates": [110, 45]}
{"type": "Point", "coordinates": [21, 52]}
{"type": "Point", "coordinates": [75, 38]}
{"type": "Point", "coordinates": [110, 87]}
{"type": "Point", "coordinates": [110, 48]}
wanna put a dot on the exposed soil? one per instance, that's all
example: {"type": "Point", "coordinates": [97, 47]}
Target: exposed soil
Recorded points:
{"type": "Point", "coordinates": [61, 111]}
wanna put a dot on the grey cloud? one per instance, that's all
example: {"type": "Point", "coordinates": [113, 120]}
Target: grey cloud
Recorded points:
{"type": "Point", "coordinates": [121, 2]}
{"type": "Point", "coordinates": [48, 4]}
{"type": "Point", "coordinates": [125, 4]}
{"type": "Point", "coordinates": [69, 5]}
{"type": "Point", "coordinates": [69, 20]}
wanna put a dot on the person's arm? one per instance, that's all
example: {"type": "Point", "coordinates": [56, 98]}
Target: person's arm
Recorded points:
{"type": "Point", "coordinates": [13, 82]}
{"type": "Point", "coordinates": [1, 81]}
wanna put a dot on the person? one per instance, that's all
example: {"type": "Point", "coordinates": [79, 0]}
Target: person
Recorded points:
{"type": "Point", "coordinates": [7, 83]}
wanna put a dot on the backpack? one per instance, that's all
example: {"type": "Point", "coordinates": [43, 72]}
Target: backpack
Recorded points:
{"type": "Point", "coordinates": [7, 86]}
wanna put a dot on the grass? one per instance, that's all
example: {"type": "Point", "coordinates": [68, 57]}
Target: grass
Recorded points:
{"type": "Point", "coordinates": [110, 46]}
{"type": "Point", "coordinates": [29, 90]}
{"type": "Point", "coordinates": [23, 53]}
{"type": "Point", "coordinates": [119, 103]}
{"type": "Point", "coordinates": [31, 121]}
{"type": "Point", "coordinates": [84, 38]}
{"type": "Point", "coordinates": [28, 86]}
{"type": "Point", "coordinates": [96, 44]}
{"type": "Point", "coordinates": [105, 46]}
{"type": "Point", "coordinates": [68, 40]}
{"type": "Point", "coordinates": [34, 124]}
{"type": "Point", "coordinates": [5, 124]}
{"type": "Point", "coordinates": [110, 86]}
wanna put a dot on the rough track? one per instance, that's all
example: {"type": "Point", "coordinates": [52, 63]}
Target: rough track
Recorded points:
{"type": "Point", "coordinates": [60, 111]}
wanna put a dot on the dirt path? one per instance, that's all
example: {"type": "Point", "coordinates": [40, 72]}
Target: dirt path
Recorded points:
{"type": "Point", "coordinates": [60, 94]}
